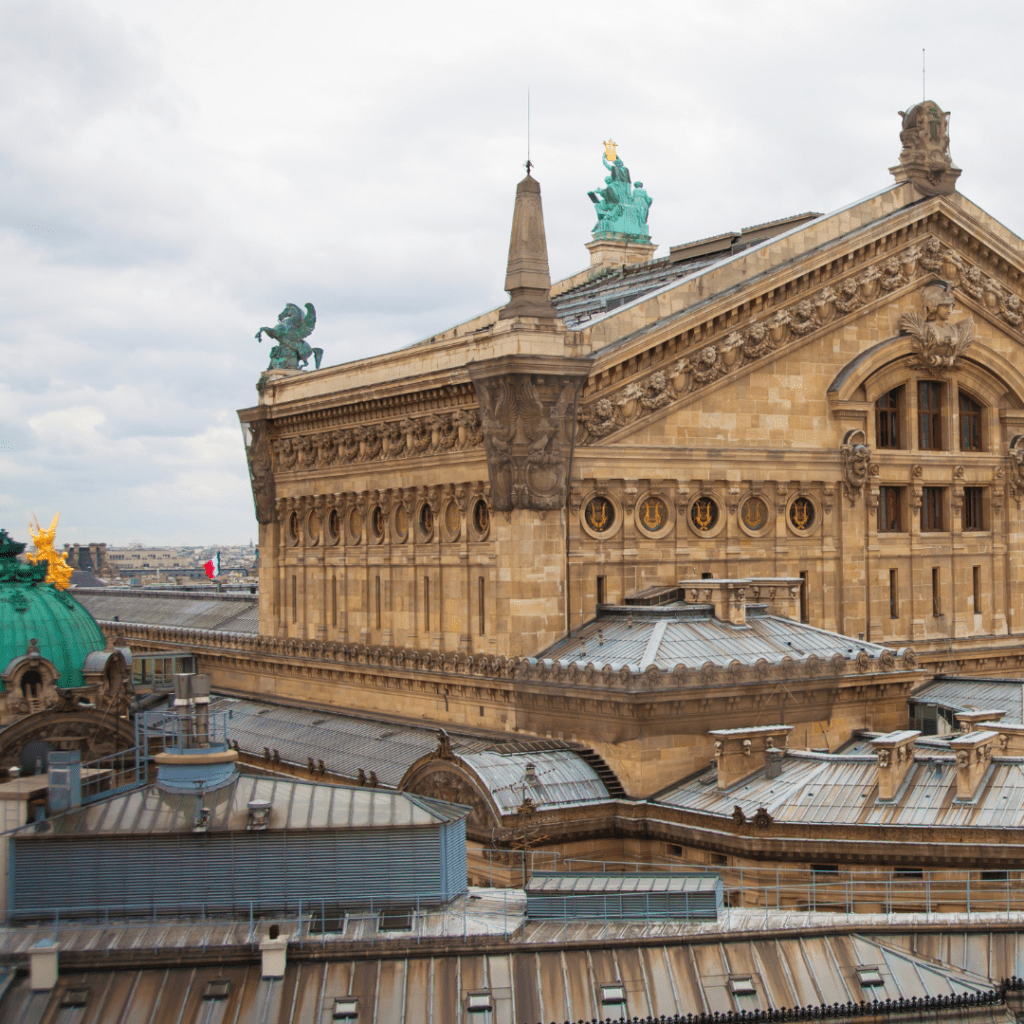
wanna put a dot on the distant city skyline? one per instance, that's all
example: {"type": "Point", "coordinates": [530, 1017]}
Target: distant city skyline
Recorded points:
{"type": "Point", "coordinates": [167, 191]}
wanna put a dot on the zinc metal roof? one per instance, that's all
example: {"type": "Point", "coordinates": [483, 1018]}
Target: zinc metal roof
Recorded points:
{"type": "Point", "coordinates": [562, 778]}
{"type": "Point", "coordinates": [236, 613]}
{"type": "Point", "coordinates": [573, 882]}
{"type": "Point", "coordinates": [345, 743]}
{"type": "Point", "coordinates": [962, 694]}
{"type": "Point", "coordinates": [294, 805]}
{"type": "Point", "coordinates": [547, 982]}
{"type": "Point", "coordinates": [690, 635]}
{"type": "Point", "coordinates": [841, 789]}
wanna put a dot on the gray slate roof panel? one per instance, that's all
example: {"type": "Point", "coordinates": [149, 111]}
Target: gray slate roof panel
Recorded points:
{"type": "Point", "coordinates": [232, 612]}
{"type": "Point", "coordinates": [841, 789]}
{"type": "Point", "coordinates": [976, 695]}
{"type": "Point", "coordinates": [295, 805]}
{"type": "Point", "coordinates": [693, 640]}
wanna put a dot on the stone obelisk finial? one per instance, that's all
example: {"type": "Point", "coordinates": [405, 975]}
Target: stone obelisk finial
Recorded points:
{"type": "Point", "coordinates": [528, 280]}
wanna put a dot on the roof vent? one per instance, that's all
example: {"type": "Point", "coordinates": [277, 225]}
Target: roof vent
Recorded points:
{"type": "Point", "coordinates": [742, 986]}
{"type": "Point", "coordinates": [219, 988]}
{"type": "Point", "coordinates": [345, 1009]}
{"type": "Point", "coordinates": [869, 977]}
{"type": "Point", "coordinates": [259, 815]}
{"type": "Point", "coordinates": [772, 763]}
{"type": "Point", "coordinates": [530, 775]}
{"type": "Point", "coordinates": [613, 995]}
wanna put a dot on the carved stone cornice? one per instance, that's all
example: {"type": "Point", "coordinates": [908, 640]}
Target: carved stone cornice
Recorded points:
{"type": "Point", "coordinates": [528, 409]}
{"type": "Point", "coordinates": [718, 352]}
{"type": "Point", "coordinates": [433, 434]}
{"type": "Point", "coordinates": [576, 682]}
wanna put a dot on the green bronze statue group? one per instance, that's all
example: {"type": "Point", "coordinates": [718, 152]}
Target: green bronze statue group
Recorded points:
{"type": "Point", "coordinates": [621, 206]}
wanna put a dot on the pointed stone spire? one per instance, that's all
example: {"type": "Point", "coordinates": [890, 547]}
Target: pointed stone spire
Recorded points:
{"type": "Point", "coordinates": [528, 280]}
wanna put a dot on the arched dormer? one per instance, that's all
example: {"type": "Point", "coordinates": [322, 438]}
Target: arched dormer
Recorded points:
{"type": "Point", "coordinates": [888, 375]}
{"type": "Point", "coordinates": [30, 683]}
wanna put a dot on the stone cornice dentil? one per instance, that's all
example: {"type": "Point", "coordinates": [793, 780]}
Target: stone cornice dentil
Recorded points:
{"type": "Point", "coordinates": [725, 345]}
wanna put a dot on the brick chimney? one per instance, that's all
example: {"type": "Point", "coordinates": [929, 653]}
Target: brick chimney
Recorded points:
{"type": "Point", "coordinates": [741, 752]}
{"type": "Point", "coordinates": [895, 753]}
{"type": "Point", "coordinates": [973, 756]}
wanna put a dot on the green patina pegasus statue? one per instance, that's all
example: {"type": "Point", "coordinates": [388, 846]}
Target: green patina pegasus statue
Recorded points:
{"type": "Point", "coordinates": [292, 352]}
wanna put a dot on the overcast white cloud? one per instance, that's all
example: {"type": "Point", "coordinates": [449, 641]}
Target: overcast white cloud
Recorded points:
{"type": "Point", "coordinates": [172, 174]}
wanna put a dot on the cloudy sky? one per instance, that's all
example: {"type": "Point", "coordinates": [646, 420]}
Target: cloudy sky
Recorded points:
{"type": "Point", "coordinates": [172, 174]}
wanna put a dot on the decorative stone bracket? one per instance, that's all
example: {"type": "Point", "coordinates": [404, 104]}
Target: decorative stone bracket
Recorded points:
{"type": "Point", "coordinates": [528, 409]}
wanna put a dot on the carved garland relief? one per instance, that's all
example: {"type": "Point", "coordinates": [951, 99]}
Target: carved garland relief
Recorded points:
{"type": "Point", "coordinates": [438, 433]}
{"type": "Point", "coordinates": [710, 362]}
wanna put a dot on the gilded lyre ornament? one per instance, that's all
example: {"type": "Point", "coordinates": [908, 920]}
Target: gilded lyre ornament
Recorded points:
{"type": "Point", "coordinates": [622, 208]}
{"type": "Point", "coordinates": [754, 513]}
{"type": "Point", "coordinates": [704, 514]}
{"type": "Point", "coordinates": [292, 351]}
{"type": "Point", "coordinates": [599, 515]}
{"type": "Point", "coordinates": [654, 513]}
{"type": "Point", "coordinates": [801, 514]}
{"type": "Point", "coordinates": [58, 572]}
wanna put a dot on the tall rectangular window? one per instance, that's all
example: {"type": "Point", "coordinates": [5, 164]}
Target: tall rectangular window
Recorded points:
{"type": "Point", "coordinates": [894, 594]}
{"type": "Point", "coordinates": [334, 600]}
{"type": "Point", "coordinates": [887, 419]}
{"type": "Point", "coordinates": [936, 583]}
{"type": "Point", "coordinates": [601, 599]}
{"type": "Point", "coordinates": [972, 513]}
{"type": "Point", "coordinates": [929, 415]}
{"type": "Point", "coordinates": [931, 509]}
{"type": "Point", "coordinates": [480, 602]}
{"type": "Point", "coordinates": [378, 601]}
{"type": "Point", "coordinates": [803, 597]}
{"type": "Point", "coordinates": [295, 600]}
{"type": "Point", "coordinates": [890, 509]}
{"type": "Point", "coordinates": [976, 579]}
{"type": "Point", "coordinates": [426, 604]}
{"type": "Point", "coordinates": [970, 425]}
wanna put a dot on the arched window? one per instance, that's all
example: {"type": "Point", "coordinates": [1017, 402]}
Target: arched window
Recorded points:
{"type": "Point", "coordinates": [887, 419]}
{"type": "Point", "coordinates": [31, 685]}
{"type": "Point", "coordinates": [970, 424]}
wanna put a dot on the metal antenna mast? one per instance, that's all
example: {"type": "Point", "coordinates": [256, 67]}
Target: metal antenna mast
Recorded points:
{"type": "Point", "coordinates": [529, 162]}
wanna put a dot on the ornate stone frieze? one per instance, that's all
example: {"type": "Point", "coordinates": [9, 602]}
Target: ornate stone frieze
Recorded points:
{"type": "Point", "coordinates": [713, 360]}
{"type": "Point", "coordinates": [528, 409]}
{"type": "Point", "coordinates": [434, 434]}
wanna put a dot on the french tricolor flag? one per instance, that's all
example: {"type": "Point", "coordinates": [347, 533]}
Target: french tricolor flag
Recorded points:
{"type": "Point", "coordinates": [212, 567]}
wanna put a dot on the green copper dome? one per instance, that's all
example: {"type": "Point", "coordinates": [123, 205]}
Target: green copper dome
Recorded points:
{"type": "Point", "coordinates": [31, 608]}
